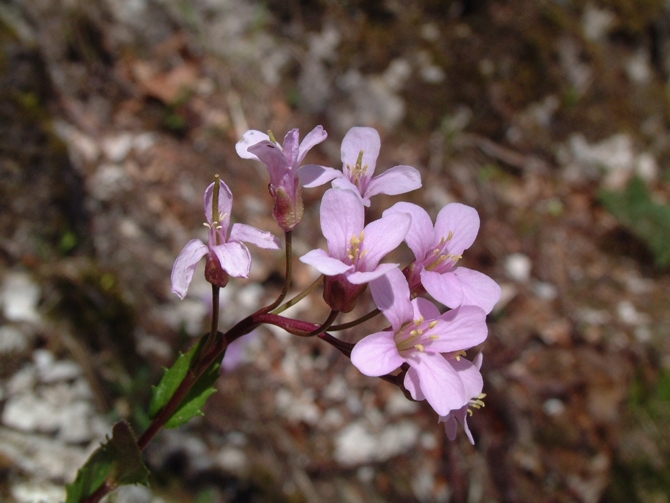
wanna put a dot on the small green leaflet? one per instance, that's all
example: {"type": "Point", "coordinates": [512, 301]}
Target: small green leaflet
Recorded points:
{"type": "Point", "coordinates": [645, 218]}
{"type": "Point", "coordinates": [118, 460]}
{"type": "Point", "coordinates": [195, 399]}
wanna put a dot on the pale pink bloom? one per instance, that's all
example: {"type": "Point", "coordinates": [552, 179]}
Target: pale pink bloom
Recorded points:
{"type": "Point", "coordinates": [474, 385]}
{"type": "Point", "coordinates": [438, 248]}
{"type": "Point", "coordinates": [283, 163]}
{"type": "Point", "coordinates": [224, 252]}
{"type": "Point", "coordinates": [354, 250]}
{"type": "Point", "coordinates": [419, 336]}
{"type": "Point", "coordinates": [360, 149]}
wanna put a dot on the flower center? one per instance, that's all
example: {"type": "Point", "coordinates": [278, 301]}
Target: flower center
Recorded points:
{"type": "Point", "coordinates": [358, 170]}
{"type": "Point", "coordinates": [414, 336]}
{"type": "Point", "coordinates": [354, 251]}
{"type": "Point", "coordinates": [438, 258]}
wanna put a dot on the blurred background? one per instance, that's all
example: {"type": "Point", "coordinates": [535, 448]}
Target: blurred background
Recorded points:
{"type": "Point", "coordinates": [550, 117]}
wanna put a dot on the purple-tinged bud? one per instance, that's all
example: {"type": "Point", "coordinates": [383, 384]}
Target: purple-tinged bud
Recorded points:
{"type": "Point", "coordinates": [340, 294]}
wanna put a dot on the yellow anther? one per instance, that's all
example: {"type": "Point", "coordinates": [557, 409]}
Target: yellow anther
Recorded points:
{"type": "Point", "coordinates": [272, 137]}
{"type": "Point", "coordinates": [206, 225]}
{"type": "Point", "coordinates": [432, 324]}
{"type": "Point", "coordinates": [458, 355]}
{"type": "Point", "coordinates": [419, 347]}
{"type": "Point", "coordinates": [419, 321]}
{"type": "Point", "coordinates": [450, 236]}
{"type": "Point", "coordinates": [434, 337]}
{"type": "Point", "coordinates": [413, 333]}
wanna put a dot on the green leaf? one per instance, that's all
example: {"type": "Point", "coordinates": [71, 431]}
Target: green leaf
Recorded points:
{"type": "Point", "coordinates": [646, 219]}
{"type": "Point", "coordinates": [118, 460]}
{"type": "Point", "coordinates": [195, 399]}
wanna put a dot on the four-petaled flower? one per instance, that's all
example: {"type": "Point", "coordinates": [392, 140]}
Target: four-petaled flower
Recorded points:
{"type": "Point", "coordinates": [354, 251]}
{"type": "Point", "coordinates": [283, 164]}
{"type": "Point", "coordinates": [419, 336]}
{"type": "Point", "coordinates": [226, 255]}
{"type": "Point", "coordinates": [360, 149]}
{"type": "Point", "coordinates": [438, 248]}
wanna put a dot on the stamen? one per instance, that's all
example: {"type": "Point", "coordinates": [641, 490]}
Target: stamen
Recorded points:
{"type": "Point", "coordinates": [419, 321]}
{"type": "Point", "coordinates": [450, 236]}
{"type": "Point", "coordinates": [432, 324]}
{"type": "Point", "coordinates": [272, 137]}
{"type": "Point", "coordinates": [419, 347]}
{"type": "Point", "coordinates": [458, 355]}
{"type": "Point", "coordinates": [434, 337]}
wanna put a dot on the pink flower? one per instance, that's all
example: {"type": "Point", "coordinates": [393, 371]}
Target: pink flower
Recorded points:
{"type": "Point", "coordinates": [282, 163]}
{"type": "Point", "coordinates": [226, 255]}
{"type": "Point", "coordinates": [437, 250]}
{"type": "Point", "coordinates": [360, 149]}
{"type": "Point", "coordinates": [419, 335]}
{"type": "Point", "coordinates": [474, 385]}
{"type": "Point", "coordinates": [354, 251]}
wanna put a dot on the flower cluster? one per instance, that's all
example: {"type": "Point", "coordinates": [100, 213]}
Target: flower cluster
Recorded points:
{"type": "Point", "coordinates": [422, 350]}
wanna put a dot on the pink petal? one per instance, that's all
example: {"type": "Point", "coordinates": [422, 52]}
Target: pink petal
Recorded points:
{"type": "Point", "coordinates": [357, 139]}
{"type": "Point", "coordinates": [185, 264]}
{"type": "Point", "coordinates": [290, 147]}
{"type": "Point", "coordinates": [250, 138]}
{"type": "Point", "coordinates": [391, 295]}
{"type": "Point", "coordinates": [459, 329]}
{"type": "Point", "coordinates": [424, 308]}
{"type": "Point", "coordinates": [234, 258]}
{"type": "Point", "coordinates": [313, 138]}
{"type": "Point", "coordinates": [420, 237]}
{"type": "Point", "coordinates": [445, 288]}
{"type": "Point", "coordinates": [249, 234]}
{"type": "Point", "coordinates": [344, 183]}
{"type": "Point", "coordinates": [394, 181]}
{"type": "Point", "coordinates": [450, 425]}
{"type": "Point", "coordinates": [376, 355]}
{"type": "Point", "coordinates": [478, 288]}
{"type": "Point", "coordinates": [411, 384]}
{"type": "Point", "coordinates": [462, 221]}
{"type": "Point", "coordinates": [225, 203]}
{"type": "Point", "coordinates": [439, 382]}
{"type": "Point", "coordinates": [472, 380]}
{"type": "Point", "coordinates": [382, 236]}
{"type": "Point", "coordinates": [359, 278]}
{"type": "Point", "coordinates": [324, 263]}
{"type": "Point", "coordinates": [313, 175]}
{"type": "Point", "coordinates": [342, 216]}
{"type": "Point", "coordinates": [273, 158]}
